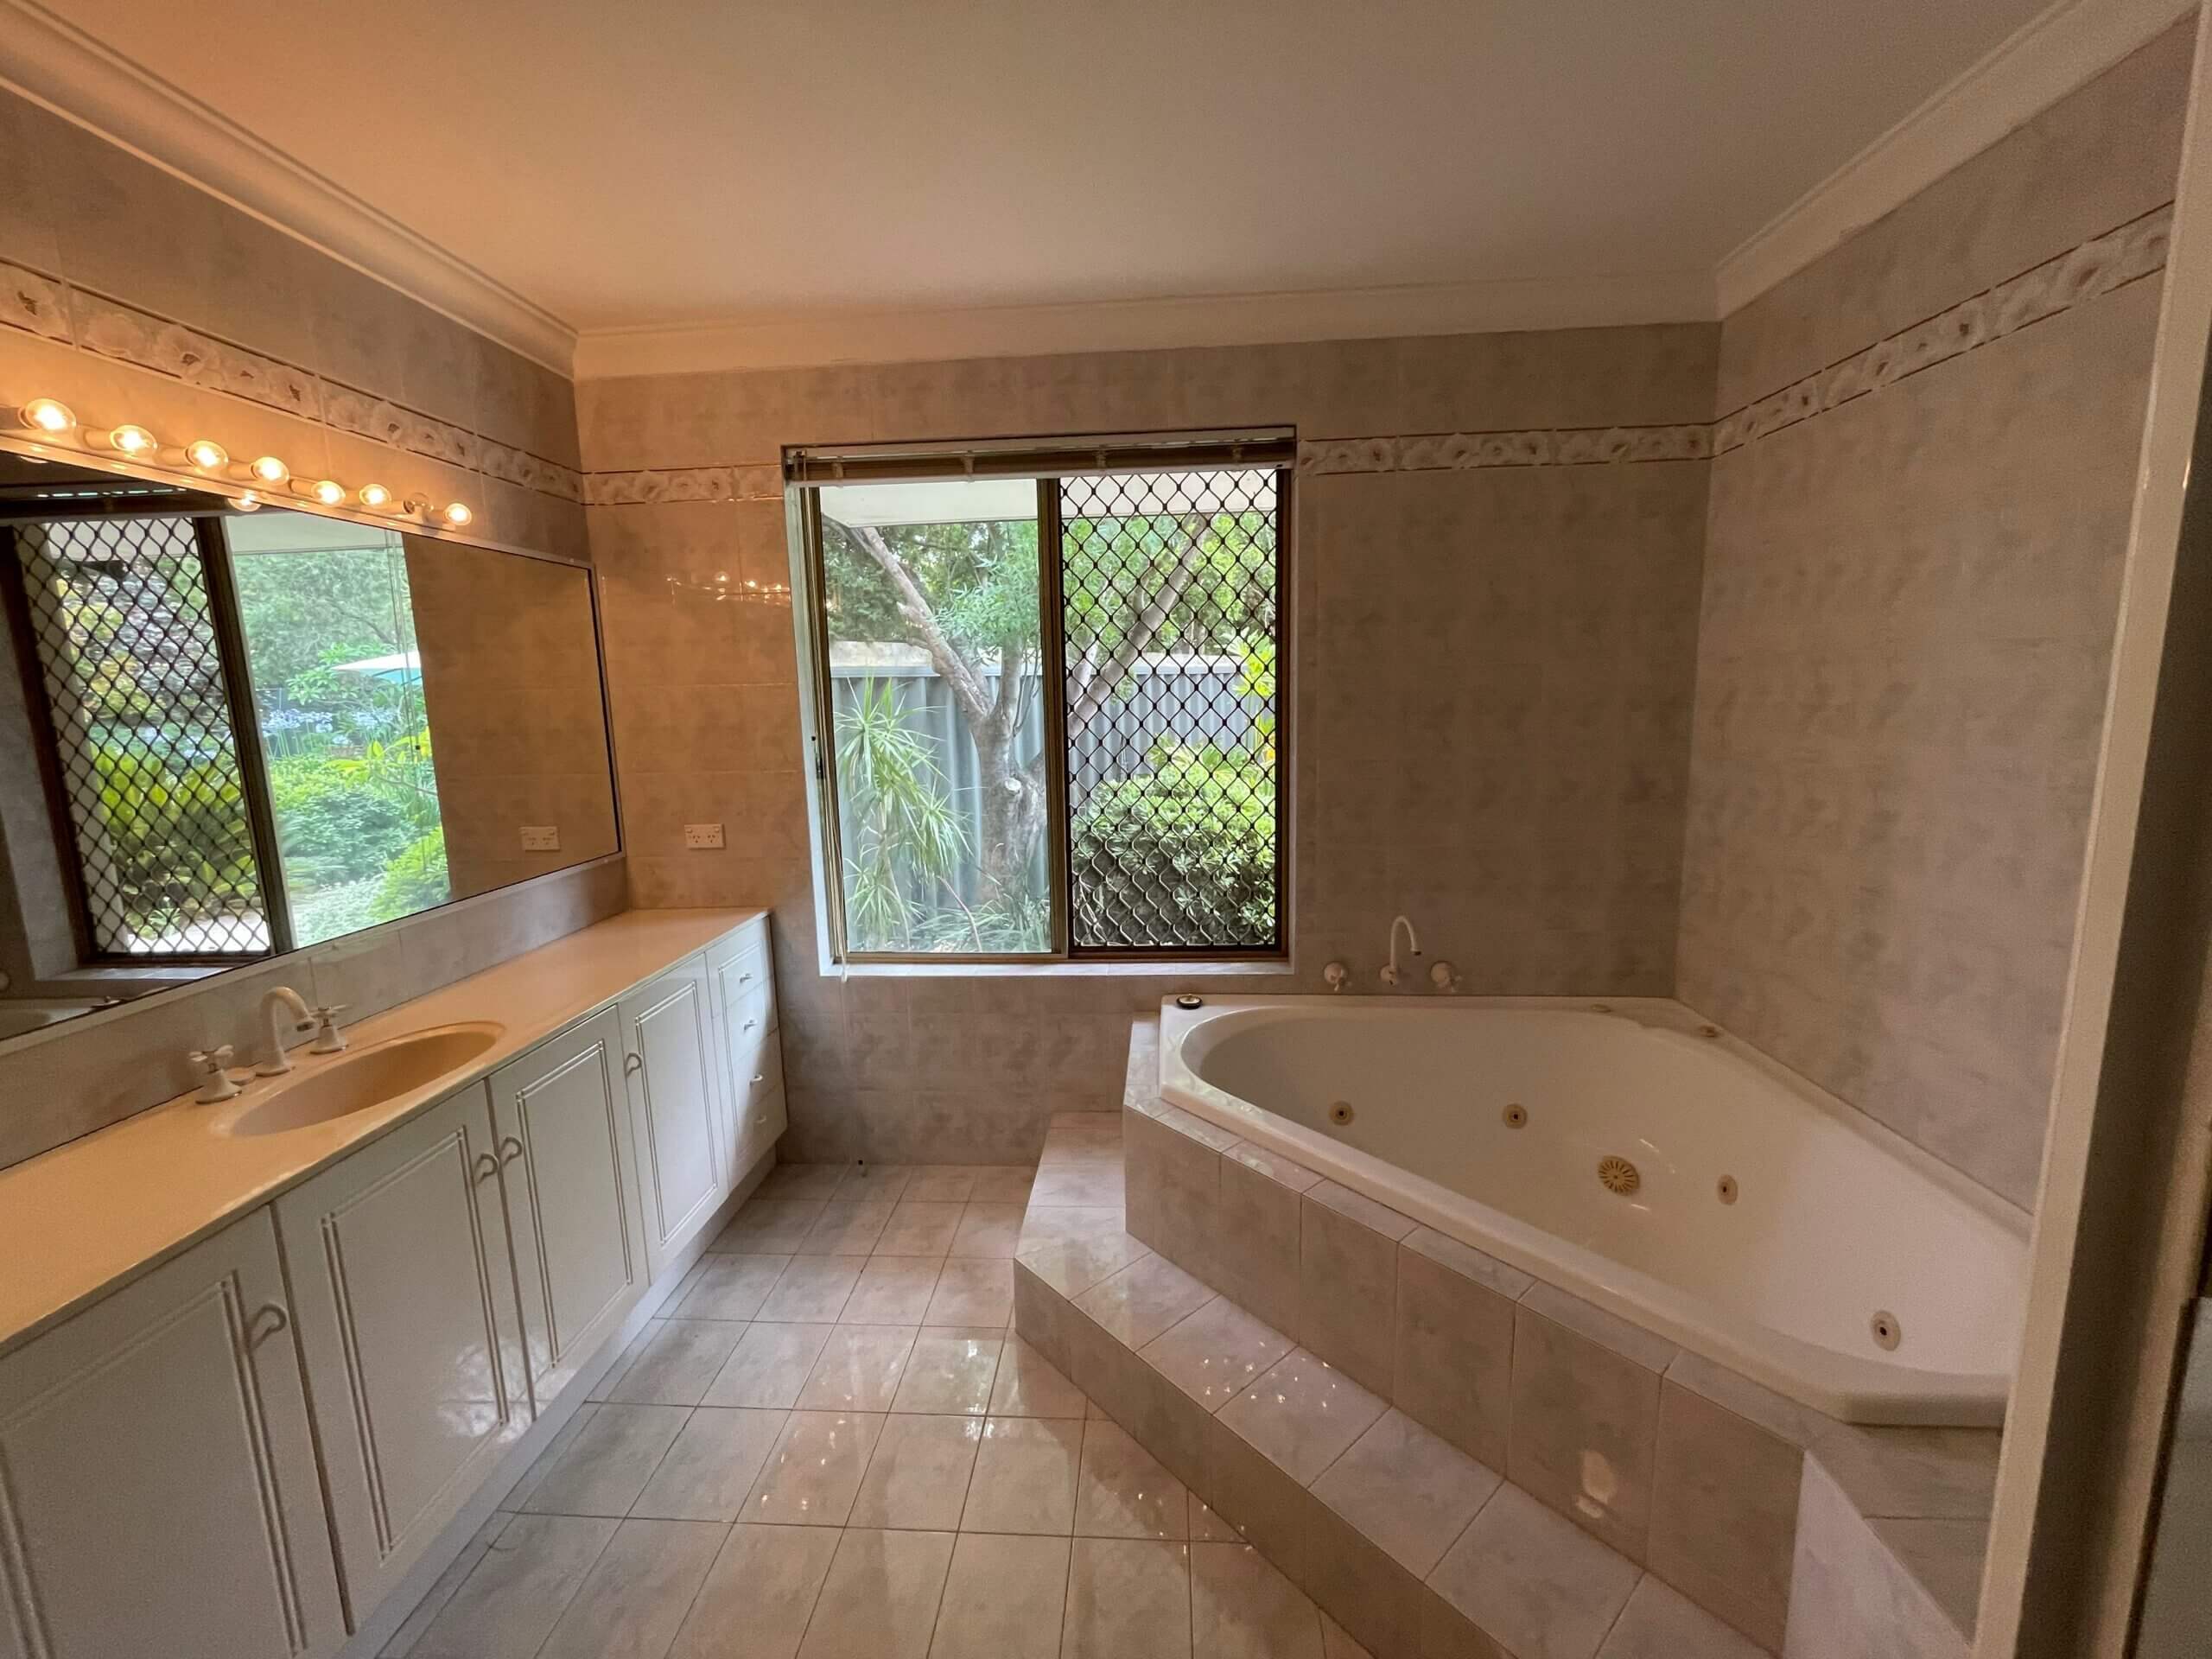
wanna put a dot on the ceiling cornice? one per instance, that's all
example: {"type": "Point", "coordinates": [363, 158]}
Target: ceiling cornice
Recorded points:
{"type": "Point", "coordinates": [1143, 325]}
{"type": "Point", "coordinates": [57, 65]}
{"type": "Point", "coordinates": [2061, 49]}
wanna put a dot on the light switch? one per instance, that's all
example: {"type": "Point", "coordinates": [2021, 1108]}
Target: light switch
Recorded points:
{"type": "Point", "coordinates": [702, 837]}
{"type": "Point", "coordinates": [540, 838]}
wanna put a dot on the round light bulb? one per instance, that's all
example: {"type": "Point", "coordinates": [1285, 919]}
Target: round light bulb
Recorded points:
{"type": "Point", "coordinates": [330, 491]}
{"type": "Point", "coordinates": [375, 496]}
{"type": "Point", "coordinates": [207, 456]}
{"type": "Point", "coordinates": [249, 502]}
{"type": "Point", "coordinates": [132, 440]}
{"type": "Point", "coordinates": [48, 415]}
{"type": "Point", "coordinates": [457, 513]}
{"type": "Point", "coordinates": [269, 470]}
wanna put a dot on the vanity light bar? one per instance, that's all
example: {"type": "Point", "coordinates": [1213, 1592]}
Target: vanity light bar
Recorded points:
{"type": "Point", "coordinates": [52, 421]}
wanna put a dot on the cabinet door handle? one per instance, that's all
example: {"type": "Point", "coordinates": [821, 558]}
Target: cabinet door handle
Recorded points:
{"type": "Point", "coordinates": [759, 1077]}
{"type": "Point", "coordinates": [266, 1321]}
{"type": "Point", "coordinates": [509, 1149]}
{"type": "Point", "coordinates": [486, 1167]}
{"type": "Point", "coordinates": [632, 1062]}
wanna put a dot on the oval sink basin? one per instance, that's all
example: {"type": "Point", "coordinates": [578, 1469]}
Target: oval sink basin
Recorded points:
{"type": "Point", "coordinates": [368, 1076]}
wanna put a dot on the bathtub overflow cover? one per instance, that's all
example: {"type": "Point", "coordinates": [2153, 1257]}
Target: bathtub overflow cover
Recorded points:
{"type": "Point", "coordinates": [1887, 1332]}
{"type": "Point", "coordinates": [1186, 1001]}
{"type": "Point", "coordinates": [1340, 1112]}
{"type": "Point", "coordinates": [1516, 1115]}
{"type": "Point", "coordinates": [1727, 1188]}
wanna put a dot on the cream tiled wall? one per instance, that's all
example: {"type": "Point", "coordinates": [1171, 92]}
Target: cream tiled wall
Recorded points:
{"type": "Point", "coordinates": [130, 296]}
{"type": "Point", "coordinates": [1493, 666]}
{"type": "Point", "coordinates": [1908, 603]}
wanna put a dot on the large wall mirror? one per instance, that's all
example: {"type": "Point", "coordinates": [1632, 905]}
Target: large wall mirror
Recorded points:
{"type": "Point", "coordinates": [227, 735]}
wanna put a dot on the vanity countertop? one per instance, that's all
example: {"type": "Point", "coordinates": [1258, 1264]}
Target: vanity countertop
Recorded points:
{"type": "Point", "coordinates": [79, 1221]}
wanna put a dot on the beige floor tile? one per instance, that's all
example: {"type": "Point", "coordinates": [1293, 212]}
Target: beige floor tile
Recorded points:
{"type": "Point", "coordinates": [815, 1470]}
{"type": "Point", "coordinates": [769, 1226]}
{"type": "Point", "coordinates": [1060, 1224]}
{"type": "Point", "coordinates": [1144, 1300]}
{"type": "Point", "coordinates": [865, 1183]}
{"type": "Point", "coordinates": [1659, 1622]}
{"type": "Point", "coordinates": [434, 1599]}
{"type": "Point", "coordinates": [712, 1465]}
{"type": "Point", "coordinates": [847, 1228]}
{"type": "Point", "coordinates": [813, 1289]}
{"type": "Point", "coordinates": [676, 1362]}
{"type": "Point", "coordinates": [758, 1595]}
{"type": "Point", "coordinates": [802, 1181]}
{"type": "Point", "coordinates": [920, 1228]}
{"type": "Point", "coordinates": [940, 1183]}
{"type": "Point", "coordinates": [859, 1370]}
{"type": "Point", "coordinates": [1029, 1385]}
{"type": "Point", "coordinates": [918, 1475]}
{"type": "Point", "coordinates": [973, 1292]}
{"type": "Point", "coordinates": [1214, 1354]}
{"type": "Point", "coordinates": [1208, 1528]}
{"type": "Point", "coordinates": [1123, 1493]}
{"type": "Point", "coordinates": [1002, 1184]}
{"type": "Point", "coordinates": [507, 1606]}
{"type": "Point", "coordinates": [729, 1287]}
{"type": "Point", "coordinates": [987, 1230]}
{"type": "Point", "coordinates": [1074, 1266]}
{"type": "Point", "coordinates": [1336, 1642]}
{"type": "Point", "coordinates": [1127, 1598]}
{"type": "Point", "coordinates": [1085, 1183]}
{"type": "Point", "coordinates": [892, 1290]}
{"type": "Point", "coordinates": [608, 1463]}
{"type": "Point", "coordinates": [1302, 1413]}
{"type": "Point", "coordinates": [635, 1597]}
{"type": "Point", "coordinates": [1534, 1580]}
{"type": "Point", "coordinates": [1003, 1600]}
{"type": "Point", "coordinates": [950, 1370]}
{"type": "Point", "coordinates": [1410, 1492]}
{"type": "Point", "coordinates": [881, 1599]}
{"type": "Point", "coordinates": [1025, 1477]}
{"type": "Point", "coordinates": [519, 1494]}
{"type": "Point", "coordinates": [1242, 1608]}
{"type": "Point", "coordinates": [769, 1366]}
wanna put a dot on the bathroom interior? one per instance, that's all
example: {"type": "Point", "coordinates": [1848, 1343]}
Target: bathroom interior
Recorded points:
{"type": "Point", "coordinates": [1445, 895]}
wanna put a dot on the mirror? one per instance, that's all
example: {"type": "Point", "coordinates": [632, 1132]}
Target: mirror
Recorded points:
{"type": "Point", "coordinates": [225, 735]}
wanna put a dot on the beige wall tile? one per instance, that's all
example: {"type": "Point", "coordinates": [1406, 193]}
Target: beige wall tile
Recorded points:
{"type": "Point", "coordinates": [1724, 1513]}
{"type": "Point", "coordinates": [1348, 1273]}
{"type": "Point", "coordinates": [1584, 1428]}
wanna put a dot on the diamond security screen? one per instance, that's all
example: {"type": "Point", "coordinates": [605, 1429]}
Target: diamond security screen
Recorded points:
{"type": "Point", "coordinates": [126, 643]}
{"type": "Point", "coordinates": [1170, 597]}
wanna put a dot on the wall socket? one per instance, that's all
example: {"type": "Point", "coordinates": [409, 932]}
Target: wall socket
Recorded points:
{"type": "Point", "coordinates": [702, 837]}
{"type": "Point", "coordinates": [540, 838]}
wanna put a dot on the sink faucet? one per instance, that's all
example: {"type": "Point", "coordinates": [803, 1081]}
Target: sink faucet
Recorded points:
{"type": "Point", "coordinates": [1413, 941]}
{"type": "Point", "coordinates": [277, 1001]}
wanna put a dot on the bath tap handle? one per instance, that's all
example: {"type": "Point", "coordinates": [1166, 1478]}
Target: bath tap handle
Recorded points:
{"type": "Point", "coordinates": [215, 1079]}
{"type": "Point", "coordinates": [1335, 975]}
{"type": "Point", "coordinates": [1444, 977]}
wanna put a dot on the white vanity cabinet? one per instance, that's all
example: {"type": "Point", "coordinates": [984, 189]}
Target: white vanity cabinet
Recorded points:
{"type": "Point", "coordinates": [158, 1492]}
{"type": "Point", "coordinates": [743, 1005]}
{"type": "Point", "coordinates": [569, 1174]}
{"type": "Point", "coordinates": [677, 1112]}
{"type": "Point", "coordinates": [404, 1292]}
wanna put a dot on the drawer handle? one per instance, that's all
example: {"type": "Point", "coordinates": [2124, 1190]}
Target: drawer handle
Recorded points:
{"type": "Point", "coordinates": [750, 1024]}
{"type": "Point", "coordinates": [745, 979]}
{"type": "Point", "coordinates": [509, 1149]}
{"type": "Point", "coordinates": [267, 1321]}
{"type": "Point", "coordinates": [486, 1167]}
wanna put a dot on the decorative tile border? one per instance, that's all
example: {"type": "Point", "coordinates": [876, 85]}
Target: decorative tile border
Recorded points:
{"type": "Point", "coordinates": [92, 322]}
{"type": "Point", "coordinates": [2137, 249]}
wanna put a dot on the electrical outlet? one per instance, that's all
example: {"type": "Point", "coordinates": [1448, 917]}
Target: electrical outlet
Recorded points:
{"type": "Point", "coordinates": [540, 838]}
{"type": "Point", "coordinates": [701, 837]}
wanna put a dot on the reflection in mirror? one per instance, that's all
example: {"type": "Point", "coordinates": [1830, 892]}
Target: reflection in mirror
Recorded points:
{"type": "Point", "coordinates": [224, 735]}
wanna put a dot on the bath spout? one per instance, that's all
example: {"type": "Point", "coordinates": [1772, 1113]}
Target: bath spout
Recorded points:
{"type": "Point", "coordinates": [1412, 944]}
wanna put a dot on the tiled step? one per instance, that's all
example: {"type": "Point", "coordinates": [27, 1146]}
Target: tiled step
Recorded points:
{"type": "Point", "coordinates": [1418, 1550]}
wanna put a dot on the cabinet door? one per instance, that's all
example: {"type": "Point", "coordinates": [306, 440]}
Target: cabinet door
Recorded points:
{"type": "Point", "coordinates": [405, 1295]}
{"type": "Point", "coordinates": [566, 1170]}
{"type": "Point", "coordinates": [676, 1114]}
{"type": "Point", "coordinates": [744, 1008]}
{"type": "Point", "coordinates": [158, 1481]}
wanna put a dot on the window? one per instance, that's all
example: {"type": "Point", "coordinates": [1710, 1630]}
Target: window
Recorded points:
{"type": "Point", "coordinates": [1043, 697]}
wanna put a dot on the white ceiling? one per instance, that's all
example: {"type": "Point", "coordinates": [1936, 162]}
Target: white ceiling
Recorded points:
{"type": "Point", "coordinates": [707, 161]}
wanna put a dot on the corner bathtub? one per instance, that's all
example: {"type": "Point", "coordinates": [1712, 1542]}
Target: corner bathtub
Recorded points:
{"type": "Point", "coordinates": [1771, 1228]}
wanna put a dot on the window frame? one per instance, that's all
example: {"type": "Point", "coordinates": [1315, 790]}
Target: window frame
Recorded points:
{"type": "Point", "coordinates": [1049, 461]}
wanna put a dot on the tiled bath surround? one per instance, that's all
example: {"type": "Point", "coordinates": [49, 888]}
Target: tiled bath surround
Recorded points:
{"type": "Point", "coordinates": [1741, 1500]}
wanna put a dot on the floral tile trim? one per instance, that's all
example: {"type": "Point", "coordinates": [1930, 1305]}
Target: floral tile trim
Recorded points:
{"type": "Point", "coordinates": [653, 485]}
{"type": "Point", "coordinates": [109, 328]}
{"type": "Point", "coordinates": [1466, 451]}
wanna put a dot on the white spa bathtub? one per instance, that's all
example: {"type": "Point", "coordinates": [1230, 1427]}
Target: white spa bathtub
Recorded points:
{"type": "Point", "coordinates": [1834, 1223]}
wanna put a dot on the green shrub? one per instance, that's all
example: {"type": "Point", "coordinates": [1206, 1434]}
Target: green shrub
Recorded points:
{"type": "Point", "coordinates": [1183, 855]}
{"type": "Point", "coordinates": [176, 837]}
{"type": "Point", "coordinates": [333, 826]}
{"type": "Point", "coordinates": [415, 880]}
